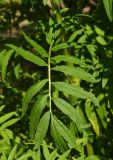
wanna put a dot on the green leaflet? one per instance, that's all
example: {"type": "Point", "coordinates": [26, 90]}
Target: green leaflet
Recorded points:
{"type": "Point", "coordinates": [64, 155]}
{"type": "Point", "coordinates": [67, 58]}
{"type": "Point", "coordinates": [4, 146]}
{"type": "Point", "coordinates": [36, 113]}
{"type": "Point", "coordinates": [99, 31]}
{"type": "Point", "coordinates": [81, 118]}
{"type": "Point", "coordinates": [75, 34]}
{"type": "Point", "coordinates": [27, 55]}
{"type": "Point", "coordinates": [60, 46]}
{"type": "Point", "coordinates": [53, 155]}
{"type": "Point", "coordinates": [7, 134]}
{"type": "Point", "coordinates": [66, 134]}
{"type": "Point", "coordinates": [88, 30]}
{"type": "Point", "coordinates": [82, 39]}
{"type": "Point", "coordinates": [91, 48]}
{"type": "Point", "coordinates": [2, 53]}
{"type": "Point", "coordinates": [77, 72]}
{"type": "Point", "coordinates": [49, 35]}
{"type": "Point", "coordinates": [9, 123]}
{"type": "Point", "coordinates": [6, 117]}
{"type": "Point", "coordinates": [47, 154]}
{"type": "Point", "coordinates": [38, 155]}
{"type": "Point", "coordinates": [30, 93]}
{"type": "Point", "coordinates": [36, 46]}
{"type": "Point", "coordinates": [46, 151]}
{"type": "Point", "coordinates": [73, 129]}
{"type": "Point", "coordinates": [17, 70]}
{"type": "Point", "coordinates": [109, 8]}
{"type": "Point", "coordinates": [92, 118]}
{"type": "Point", "coordinates": [42, 129]}
{"type": "Point", "coordinates": [1, 108]}
{"type": "Point", "coordinates": [58, 139]}
{"type": "Point", "coordinates": [101, 40]}
{"type": "Point", "coordinates": [25, 156]}
{"type": "Point", "coordinates": [13, 153]}
{"type": "Point", "coordinates": [72, 113]}
{"type": "Point", "coordinates": [4, 64]}
{"type": "Point", "coordinates": [102, 111]}
{"type": "Point", "coordinates": [76, 91]}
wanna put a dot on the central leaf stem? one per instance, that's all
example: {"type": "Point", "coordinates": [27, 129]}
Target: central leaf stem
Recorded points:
{"type": "Point", "coordinates": [49, 75]}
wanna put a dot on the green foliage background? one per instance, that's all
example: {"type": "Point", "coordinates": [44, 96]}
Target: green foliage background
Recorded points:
{"type": "Point", "coordinates": [56, 80]}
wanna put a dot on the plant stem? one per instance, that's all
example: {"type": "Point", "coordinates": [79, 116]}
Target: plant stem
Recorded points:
{"type": "Point", "coordinates": [49, 75]}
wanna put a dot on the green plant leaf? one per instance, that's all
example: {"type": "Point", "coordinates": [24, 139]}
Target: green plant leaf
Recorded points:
{"type": "Point", "coordinates": [73, 129]}
{"type": "Point", "coordinates": [92, 118]}
{"type": "Point", "coordinates": [91, 48]}
{"type": "Point", "coordinates": [38, 155]}
{"type": "Point", "coordinates": [99, 31]}
{"type": "Point", "coordinates": [27, 55]}
{"type": "Point", "coordinates": [30, 93]}
{"type": "Point", "coordinates": [7, 134]}
{"type": "Point", "coordinates": [26, 156]}
{"type": "Point", "coordinates": [1, 108]}
{"type": "Point", "coordinates": [67, 58]}
{"type": "Point", "coordinates": [36, 46]}
{"type": "Point", "coordinates": [2, 53]}
{"type": "Point", "coordinates": [5, 60]}
{"type": "Point", "coordinates": [66, 134]}
{"type": "Point", "coordinates": [102, 111]}
{"type": "Point", "coordinates": [60, 46]}
{"type": "Point", "coordinates": [108, 4]}
{"type": "Point", "coordinates": [77, 72]}
{"type": "Point", "coordinates": [64, 155]}
{"type": "Point", "coordinates": [13, 153]}
{"type": "Point", "coordinates": [53, 155]}
{"type": "Point", "coordinates": [4, 146]}
{"type": "Point", "coordinates": [82, 39]}
{"type": "Point", "coordinates": [36, 113]}
{"type": "Point", "coordinates": [71, 112]}
{"type": "Point", "coordinates": [76, 91]}
{"type": "Point", "coordinates": [46, 150]}
{"type": "Point", "coordinates": [42, 129]}
{"type": "Point", "coordinates": [75, 34]}
{"type": "Point", "coordinates": [58, 139]}
{"type": "Point", "coordinates": [101, 40]}
{"type": "Point", "coordinates": [6, 117]}
{"type": "Point", "coordinates": [17, 70]}
{"type": "Point", "coordinates": [47, 154]}
{"type": "Point", "coordinates": [88, 30]}
{"type": "Point", "coordinates": [9, 123]}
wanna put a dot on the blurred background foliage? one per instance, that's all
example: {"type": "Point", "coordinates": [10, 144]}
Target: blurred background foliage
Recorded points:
{"type": "Point", "coordinates": [93, 35]}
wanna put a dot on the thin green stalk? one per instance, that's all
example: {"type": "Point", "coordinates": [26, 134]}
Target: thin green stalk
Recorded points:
{"type": "Point", "coordinates": [49, 75]}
